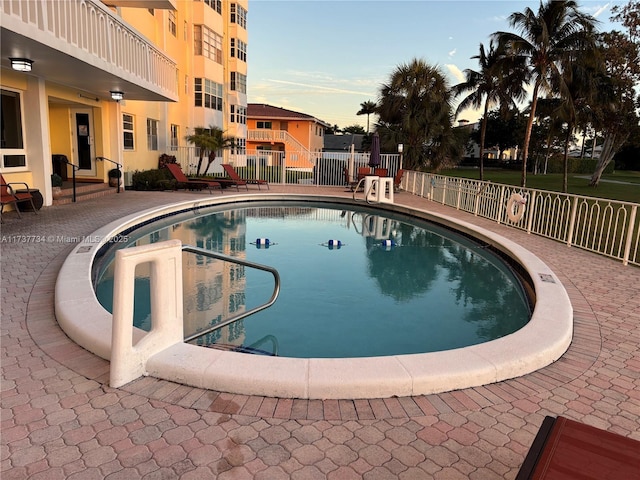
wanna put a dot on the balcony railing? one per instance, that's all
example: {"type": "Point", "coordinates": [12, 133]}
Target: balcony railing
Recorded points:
{"type": "Point", "coordinates": [87, 30]}
{"type": "Point", "coordinates": [266, 135]}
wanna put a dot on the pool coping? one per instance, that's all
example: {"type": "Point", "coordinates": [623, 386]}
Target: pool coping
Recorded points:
{"type": "Point", "coordinates": [542, 341]}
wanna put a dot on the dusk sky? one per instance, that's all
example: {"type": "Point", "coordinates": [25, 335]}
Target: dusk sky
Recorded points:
{"type": "Point", "coordinates": [325, 58]}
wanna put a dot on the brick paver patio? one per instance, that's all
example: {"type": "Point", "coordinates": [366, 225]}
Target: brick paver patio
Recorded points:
{"type": "Point", "coordinates": [61, 420]}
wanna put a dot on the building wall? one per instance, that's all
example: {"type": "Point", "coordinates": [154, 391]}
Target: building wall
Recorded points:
{"type": "Point", "coordinates": [48, 107]}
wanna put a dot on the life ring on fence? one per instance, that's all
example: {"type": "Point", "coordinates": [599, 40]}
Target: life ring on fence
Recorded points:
{"type": "Point", "coordinates": [517, 200]}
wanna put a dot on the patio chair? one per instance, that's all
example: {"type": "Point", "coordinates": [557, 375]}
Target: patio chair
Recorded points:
{"type": "Point", "coordinates": [233, 175]}
{"type": "Point", "coordinates": [363, 172]}
{"type": "Point", "coordinates": [347, 180]}
{"type": "Point", "coordinates": [397, 180]}
{"type": "Point", "coordinates": [10, 196]}
{"type": "Point", "coordinates": [191, 183]}
{"type": "Point", "coordinates": [381, 172]}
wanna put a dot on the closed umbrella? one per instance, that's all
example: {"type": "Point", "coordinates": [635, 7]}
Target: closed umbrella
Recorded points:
{"type": "Point", "coordinates": [374, 157]}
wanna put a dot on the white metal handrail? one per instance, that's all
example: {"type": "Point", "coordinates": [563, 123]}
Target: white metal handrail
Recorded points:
{"type": "Point", "coordinates": [607, 227]}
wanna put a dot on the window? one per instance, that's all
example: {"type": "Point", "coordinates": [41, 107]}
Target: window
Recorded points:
{"type": "Point", "coordinates": [238, 49]}
{"type": "Point", "coordinates": [12, 141]}
{"type": "Point", "coordinates": [127, 129]}
{"type": "Point", "coordinates": [173, 28]}
{"type": "Point", "coordinates": [239, 146]}
{"type": "Point", "coordinates": [207, 42]}
{"type": "Point", "coordinates": [238, 114]}
{"type": "Point", "coordinates": [238, 82]}
{"type": "Point", "coordinates": [175, 131]}
{"type": "Point", "coordinates": [266, 125]}
{"type": "Point", "coordinates": [152, 134]}
{"type": "Point", "coordinates": [208, 94]}
{"type": "Point", "coordinates": [215, 5]}
{"type": "Point", "coordinates": [238, 15]}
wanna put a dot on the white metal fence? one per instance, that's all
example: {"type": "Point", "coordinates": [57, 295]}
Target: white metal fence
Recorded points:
{"type": "Point", "coordinates": [607, 227]}
{"type": "Point", "coordinates": [325, 168]}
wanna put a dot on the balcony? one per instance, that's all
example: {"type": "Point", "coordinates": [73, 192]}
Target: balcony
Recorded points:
{"type": "Point", "coordinates": [84, 45]}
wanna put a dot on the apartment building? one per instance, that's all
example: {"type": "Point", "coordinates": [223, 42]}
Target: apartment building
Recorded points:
{"type": "Point", "coordinates": [116, 81]}
{"type": "Point", "coordinates": [275, 131]}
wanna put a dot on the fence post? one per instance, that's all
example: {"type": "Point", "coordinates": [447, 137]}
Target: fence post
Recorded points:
{"type": "Point", "coordinates": [459, 181]}
{"type": "Point", "coordinates": [501, 205]}
{"type": "Point", "coordinates": [572, 221]}
{"type": "Point", "coordinates": [627, 244]}
{"type": "Point", "coordinates": [532, 205]}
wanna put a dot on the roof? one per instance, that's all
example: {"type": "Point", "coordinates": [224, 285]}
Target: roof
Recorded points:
{"type": "Point", "coordinates": [342, 143]}
{"type": "Point", "coordinates": [262, 110]}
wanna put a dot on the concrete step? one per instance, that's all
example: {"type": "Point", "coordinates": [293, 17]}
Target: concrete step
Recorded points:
{"type": "Point", "coordinates": [84, 191]}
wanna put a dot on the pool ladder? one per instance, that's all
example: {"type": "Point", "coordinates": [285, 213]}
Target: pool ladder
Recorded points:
{"type": "Point", "coordinates": [239, 261]}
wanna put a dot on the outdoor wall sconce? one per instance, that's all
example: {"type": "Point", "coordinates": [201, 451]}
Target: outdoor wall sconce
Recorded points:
{"type": "Point", "coordinates": [400, 148]}
{"type": "Point", "coordinates": [21, 64]}
{"type": "Point", "coordinates": [117, 96]}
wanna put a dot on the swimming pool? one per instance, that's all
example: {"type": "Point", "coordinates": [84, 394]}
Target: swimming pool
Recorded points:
{"type": "Point", "coordinates": [541, 341]}
{"type": "Point", "coordinates": [391, 284]}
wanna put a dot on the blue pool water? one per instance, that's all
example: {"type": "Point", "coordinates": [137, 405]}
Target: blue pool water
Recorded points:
{"type": "Point", "coordinates": [431, 290]}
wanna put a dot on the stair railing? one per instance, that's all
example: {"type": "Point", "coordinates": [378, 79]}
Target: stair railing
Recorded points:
{"type": "Point", "coordinates": [118, 166]}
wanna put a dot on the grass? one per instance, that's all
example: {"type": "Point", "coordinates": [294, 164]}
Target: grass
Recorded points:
{"type": "Point", "coordinates": [622, 185]}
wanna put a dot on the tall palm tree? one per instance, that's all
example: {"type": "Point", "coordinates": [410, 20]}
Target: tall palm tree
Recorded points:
{"type": "Point", "coordinates": [547, 38]}
{"type": "Point", "coordinates": [209, 140]}
{"type": "Point", "coordinates": [415, 110]}
{"type": "Point", "coordinates": [367, 108]}
{"type": "Point", "coordinates": [496, 82]}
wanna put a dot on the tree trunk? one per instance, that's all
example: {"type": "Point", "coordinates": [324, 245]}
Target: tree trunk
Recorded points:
{"type": "Point", "coordinates": [527, 135]}
{"type": "Point", "coordinates": [210, 160]}
{"type": "Point", "coordinates": [200, 157]}
{"type": "Point", "coordinates": [483, 132]}
{"type": "Point", "coordinates": [565, 161]}
{"type": "Point", "coordinates": [611, 145]}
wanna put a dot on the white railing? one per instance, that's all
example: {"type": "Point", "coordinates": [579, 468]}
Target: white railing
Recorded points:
{"type": "Point", "coordinates": [265, 135]}
{"type": "Point", "coordinates": [289, 168]}
{"type": "Point", "coordinates": [81, 27]}
{"type": "Point", "coordinates": [607, 227]}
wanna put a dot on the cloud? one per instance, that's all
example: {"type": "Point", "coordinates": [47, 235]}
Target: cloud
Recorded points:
{"type": "Point", "coordinates": [452, 52]}
{"type": "Point", "coordinates": [322, 88]}
{"type": "Point", "coordinates": [455, 72]}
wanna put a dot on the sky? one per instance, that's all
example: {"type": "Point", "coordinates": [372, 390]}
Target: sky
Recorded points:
{"type": "Point", "coordinates": [325, 58]}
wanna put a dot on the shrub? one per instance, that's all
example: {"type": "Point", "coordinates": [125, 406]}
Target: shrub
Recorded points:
{"type": "Point", "coordinates": [56, 180]}
{"type": "Point", "coordinates": [159, 179]}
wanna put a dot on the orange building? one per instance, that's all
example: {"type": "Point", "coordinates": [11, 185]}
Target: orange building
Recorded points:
{"type": "Point", "coordinates": [274, 131]}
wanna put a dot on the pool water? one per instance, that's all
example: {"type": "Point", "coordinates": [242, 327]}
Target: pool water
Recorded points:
{"type": "Point", "coordinates": [431, 290]}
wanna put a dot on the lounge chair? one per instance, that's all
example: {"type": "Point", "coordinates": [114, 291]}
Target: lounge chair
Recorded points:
{"type": "Point", "coordinates": [191, 183]}
{"type": "Point", "coordinates": [233, 175]}
{"type": "Point", "coordinates": [10, 196]}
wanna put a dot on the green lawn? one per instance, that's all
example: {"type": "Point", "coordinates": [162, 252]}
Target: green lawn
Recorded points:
{"type": "Point", "coordinates": [623, 185]}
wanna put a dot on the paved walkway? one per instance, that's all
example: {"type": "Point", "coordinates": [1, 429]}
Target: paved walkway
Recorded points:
{"type": "Point", "coordinates": [61, 420]}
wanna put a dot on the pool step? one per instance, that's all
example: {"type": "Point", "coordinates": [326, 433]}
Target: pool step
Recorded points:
{"type": "Point", "coordinates": [240, 349]}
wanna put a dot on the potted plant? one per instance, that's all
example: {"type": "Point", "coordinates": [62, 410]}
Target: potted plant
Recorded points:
{"type": "Point", "coordinates": [56, 185]}
{"type": "Point", "coordinates": [114, 177]}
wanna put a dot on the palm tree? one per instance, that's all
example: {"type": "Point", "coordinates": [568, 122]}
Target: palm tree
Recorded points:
{"type": "Point", "coordinates": [367, 108]}
{"type": "Point", "coordinates": [209, 140]}
{"type": "Point", "coordinates": [494, 83]}
{"type": "Point", "coordinates": [547, 39]}
{"type": "Point", "coordinates": [415, 110]}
